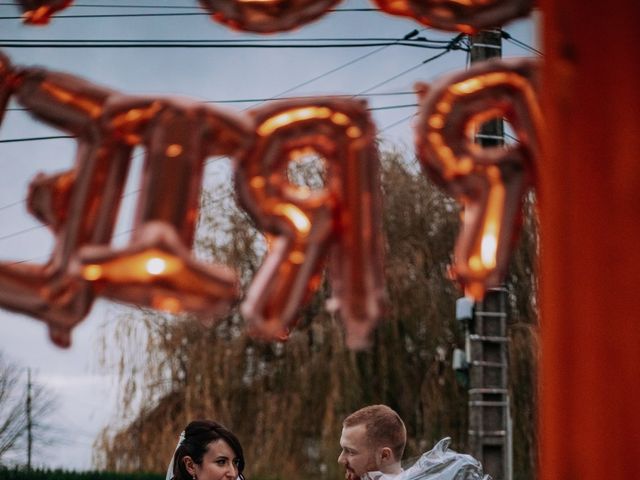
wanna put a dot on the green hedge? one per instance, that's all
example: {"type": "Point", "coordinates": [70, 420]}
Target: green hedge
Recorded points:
{"type": "Point", "coordinates": [23, 474]}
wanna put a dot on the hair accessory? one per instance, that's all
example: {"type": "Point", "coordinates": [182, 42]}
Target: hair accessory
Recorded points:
{"type": "Point", "coordinates": [170, 468]}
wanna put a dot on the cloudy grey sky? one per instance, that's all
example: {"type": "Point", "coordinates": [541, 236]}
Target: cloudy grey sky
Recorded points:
{"type": "Point", "coordinates": [85, 390]}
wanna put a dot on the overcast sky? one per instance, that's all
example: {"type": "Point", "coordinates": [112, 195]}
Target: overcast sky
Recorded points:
{"type": "Point", "coordinates": [85, 390]}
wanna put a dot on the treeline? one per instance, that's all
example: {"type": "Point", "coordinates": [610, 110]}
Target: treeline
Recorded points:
{"type": "Point", "coordinates": [24, 474]}
{"type": "Point", "coordinates": [286, 401]}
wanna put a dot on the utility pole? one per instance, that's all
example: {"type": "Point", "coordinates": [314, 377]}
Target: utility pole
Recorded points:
{"type": "Point", "coordinates": [485, 45]}
{"type": "Point", "coordinates": [487, 342]}
{"type": "Point", "coordinates": [29, 421]}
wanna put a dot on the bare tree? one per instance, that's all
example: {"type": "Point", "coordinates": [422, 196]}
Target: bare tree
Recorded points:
{"type": "Point", "coordinates": [14, 417]}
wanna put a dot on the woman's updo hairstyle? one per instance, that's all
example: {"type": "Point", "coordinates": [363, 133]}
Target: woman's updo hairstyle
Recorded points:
{"type": "Point", "coordinates": [197, 437]}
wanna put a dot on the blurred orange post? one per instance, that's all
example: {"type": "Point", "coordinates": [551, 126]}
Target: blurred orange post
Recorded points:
{"type": "Point", "coordinates": [590, 220]}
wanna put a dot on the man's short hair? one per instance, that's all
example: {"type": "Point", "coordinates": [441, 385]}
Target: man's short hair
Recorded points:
{"type": "Point", "coordinates": [384, 427]}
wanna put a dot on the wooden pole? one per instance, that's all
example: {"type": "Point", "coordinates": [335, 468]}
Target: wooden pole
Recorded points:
{"type": "Point", "coordinates": [29, 421]}
{"type": "Point", "coordinates": [590, 230]}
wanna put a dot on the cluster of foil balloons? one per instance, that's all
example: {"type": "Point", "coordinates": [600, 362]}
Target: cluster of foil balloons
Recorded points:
{"type": "Point", "coordinates": [269, 16]}
{"type": "Point", "coordinates": [339, 222]}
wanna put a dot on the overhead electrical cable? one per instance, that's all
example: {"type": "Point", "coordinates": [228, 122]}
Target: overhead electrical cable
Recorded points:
{"type": "Point", "coordinates": [59, 137]}
{"type": "Point", "coordinates": [394, 124]}
{"type": "Point", "coordinates": [12, 204]}
{"type": "Point", "coordinates": [35, 139]}
{"type": "Point", "coordinates": [177, 14]}
{"type": "Point", "coordinates": [351, 62]}
{"type": "Point", "coordinates": [508, 37]}
{"type": "Point", "coordinates": [20, 232]}
{"type": "Point", "coordinates": [453, 45]}
{"type": "Point", "coordinates": [407, 36]}
{"type": "Point", "coordinates": [206, 203]}
{"type": "Point", "coordinates": [29, 229]}
{"type": "Point", "coordinates": [213, 44]}
{"type": "Point", "coordinates": [259, 100]}
{"type": "Point", "coordinates": [193, 6]}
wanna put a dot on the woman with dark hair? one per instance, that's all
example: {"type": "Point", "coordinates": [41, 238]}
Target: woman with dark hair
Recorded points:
{"type": "Point", "coordinates": [207, 451]}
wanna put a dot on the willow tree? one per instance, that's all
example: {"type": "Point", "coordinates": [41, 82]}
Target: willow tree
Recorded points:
{"type": "Point", "coordinates": [286, 401]}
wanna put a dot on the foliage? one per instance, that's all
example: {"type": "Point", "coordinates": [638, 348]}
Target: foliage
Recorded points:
{"type": "Point", "coordinates": [23, 474]}
{"type": "Point", "coordinates": [286, 401]}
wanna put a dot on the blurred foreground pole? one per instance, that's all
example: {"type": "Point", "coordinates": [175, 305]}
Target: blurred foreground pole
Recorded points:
{"type": "Point", "coordinates": [590, 230]}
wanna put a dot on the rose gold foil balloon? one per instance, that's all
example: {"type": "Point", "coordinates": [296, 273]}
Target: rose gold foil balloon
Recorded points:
{"type": "Point", "coordinates": [156, 268]}
{"type": "Point", "coordinates": [7, 80]}
{"type": "Point", "coordinates": [39, 12]}
{"type": "Point", "coordinates": [489, 182]}
{"type": "Point", "coordinates": [266, 16]}
{"type": "Point", "coordinates": [303, 224]}
{"type": "Point", "coordinates": [468, 16]}
{"type": "Point", "coordinates": [79, 205]}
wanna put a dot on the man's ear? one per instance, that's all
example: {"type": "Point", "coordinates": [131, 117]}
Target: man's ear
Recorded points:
{"type": "Point", "coordinates": [386, 456]}
{"type": "Point", "coordinates": [189, 465]}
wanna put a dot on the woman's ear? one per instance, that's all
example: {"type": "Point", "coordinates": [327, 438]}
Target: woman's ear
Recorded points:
{"type": "Point", "coordinates": [189, 465]}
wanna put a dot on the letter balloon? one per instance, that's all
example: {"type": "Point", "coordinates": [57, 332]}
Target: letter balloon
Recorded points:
{"type": "Point", "coordinates": [77, 205]}
{"type": "Point", "coordinates": [302, 225]}
{"type": "Point", "coordinates": [39, 12]}
{"type": "Point", "coordinates": [266, 16]}
{"type": "Point", "coordinates": [156, 269]}
{"type": "Point", "coordinates": [468, 16]}
{"type": "Point", "coordinates": [490, 183]}
{"type": "Point", "coordinates": [80, 205]}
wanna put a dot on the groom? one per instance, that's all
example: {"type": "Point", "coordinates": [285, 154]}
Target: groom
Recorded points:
{"type": "Point", "coordinates": [373, 440]}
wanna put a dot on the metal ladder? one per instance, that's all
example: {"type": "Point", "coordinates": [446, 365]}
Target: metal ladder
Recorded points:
{"type": "Point", "coordinates": [488, 355]}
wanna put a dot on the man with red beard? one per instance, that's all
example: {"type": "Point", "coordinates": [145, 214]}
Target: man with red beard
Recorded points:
{"type": "Point", "coordinates": [373, 440]}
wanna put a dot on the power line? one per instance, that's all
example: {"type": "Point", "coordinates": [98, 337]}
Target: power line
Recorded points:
{"type": "Point", "coordinates": [266, 99]}
{"type": "Point", "coordinates": [394, 124]}
{"type": "Point", "coordinates": [450, 44]}
{"type": "Point", "coordinates": [127, 194]}
{"type": "Point", "coordinates": [58, 137]}
{"type": "Point", "coordinates": [508, 37]}
{"type": "Point", "coordinates": [132, 192]}
{"type": "Point", "coordinates": [89, 5]}
{"type": "Point", "coordinates": [28, 139]}
{"type": "Point", "coordinates": [408, 38]}
{"type": "Point", "coordinates": [194, 14]}
{"type": "Point", "coordinates": [393, 107]}
{"type": "Point", "coordinates": [34, 139]}
{"type": "Point", "coordinates": [185, 7]}
{"type": "Point", "coordinates": [13, 204]}
{"type": "Point", "coordinates": [511, 137]}
{"type": "Point", "coordinates": [453, 45]}
{"type": "Point", "coordinates": [20, 232]}
{"type": "Point", "coordinates": [124, 195]}
{"type": "Point", "coordinates": [144, 44]}
{"type": "Point", "coordinates": [37, 227]}
{"type": "Point", "coordinates": [206, 203]}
